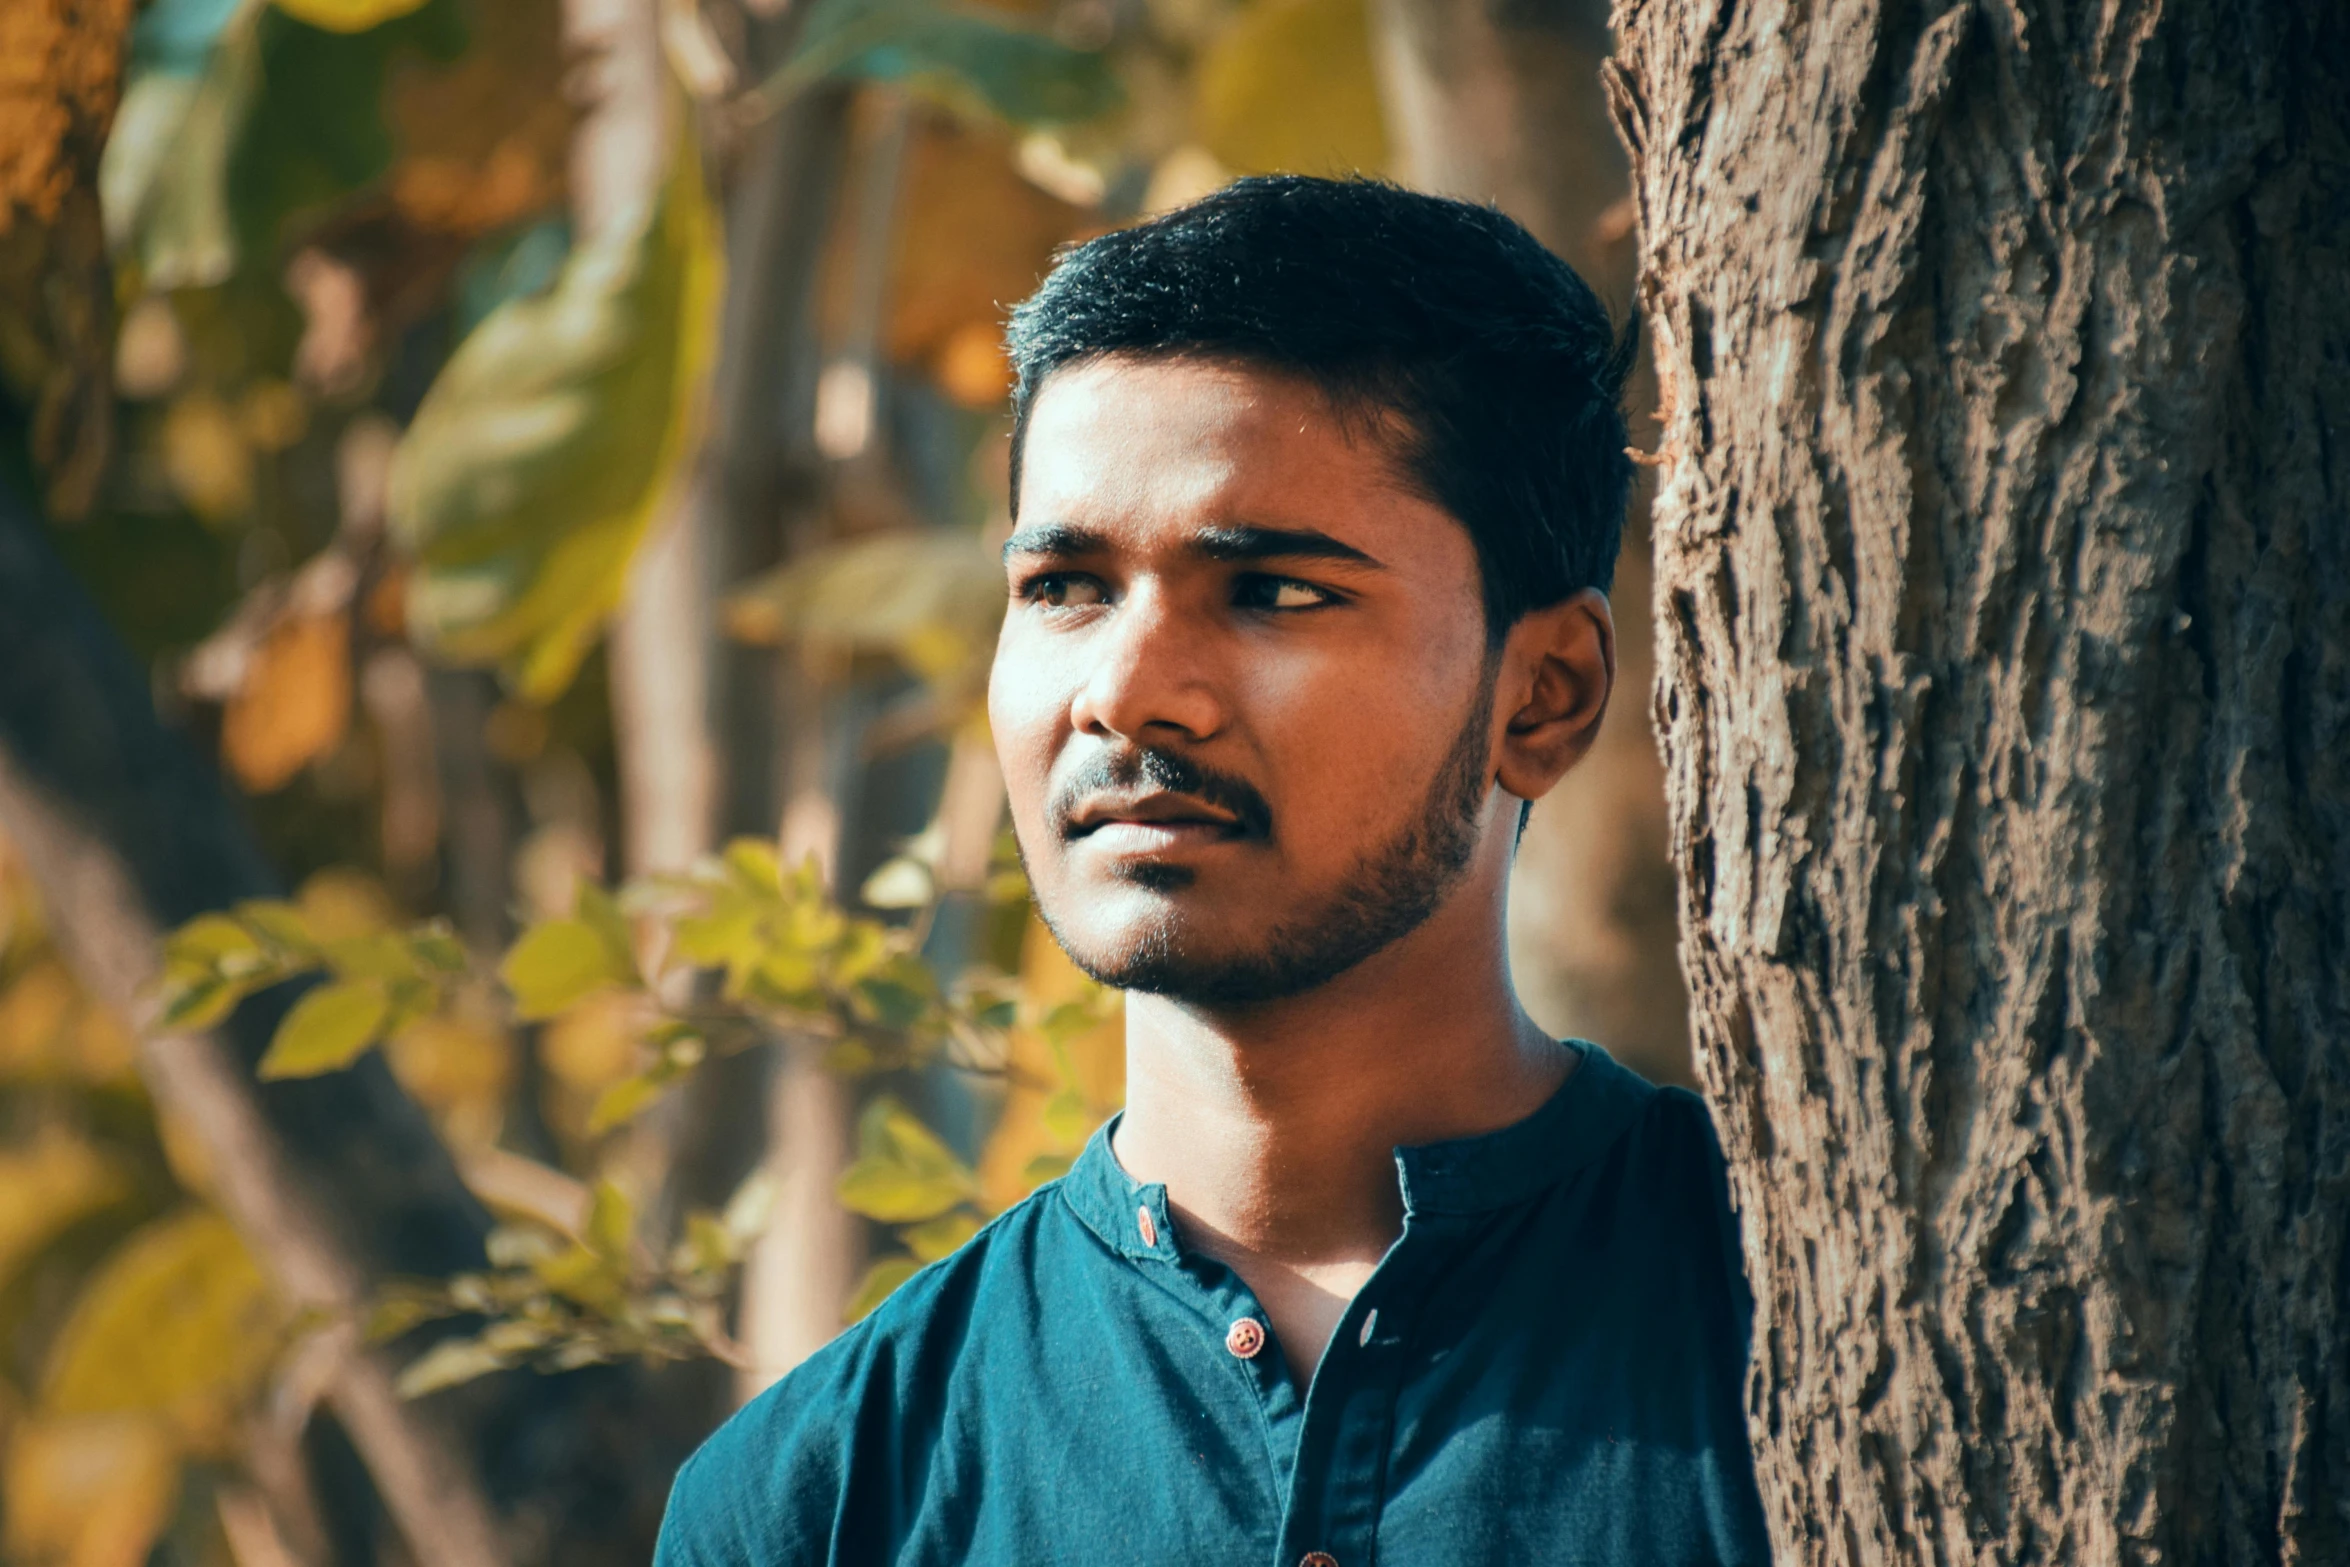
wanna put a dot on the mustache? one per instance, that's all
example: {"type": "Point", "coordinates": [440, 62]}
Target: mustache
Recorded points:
{"type": "Point", "coordinates": [1153, 769]}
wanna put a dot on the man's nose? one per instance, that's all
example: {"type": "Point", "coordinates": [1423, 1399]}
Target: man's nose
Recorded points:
{"type": "Point", "coordinates": [1150, 677]}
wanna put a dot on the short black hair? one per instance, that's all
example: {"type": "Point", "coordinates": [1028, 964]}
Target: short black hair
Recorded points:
{"type": "Point", "coordinates": [1499, 362]}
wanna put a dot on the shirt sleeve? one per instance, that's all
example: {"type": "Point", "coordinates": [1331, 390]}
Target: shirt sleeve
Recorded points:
{"type": "Point", "coordinates": [763, 1491]}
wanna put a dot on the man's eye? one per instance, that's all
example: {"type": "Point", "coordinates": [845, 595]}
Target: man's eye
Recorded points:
{"type": "Point", "coordinates": [1262, 592]}
{"type": "Point", "coordinates": [1062, 590]}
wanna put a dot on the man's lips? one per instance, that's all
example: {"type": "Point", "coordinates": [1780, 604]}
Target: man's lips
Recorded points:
{"type": "Point", "coordinates": [1172, 815]}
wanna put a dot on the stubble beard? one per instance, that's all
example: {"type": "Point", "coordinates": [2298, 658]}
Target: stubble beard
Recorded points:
{"type": "Point", "coordinates": [1391, 891]}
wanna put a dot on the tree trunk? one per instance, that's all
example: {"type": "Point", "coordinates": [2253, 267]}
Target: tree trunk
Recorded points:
{"type": "Point", "coordinates": [1500, 101]}
{"type": "Point", "coordinates": [332, 1180]}
{"type": "Point", "coordinates": [2005, 582]}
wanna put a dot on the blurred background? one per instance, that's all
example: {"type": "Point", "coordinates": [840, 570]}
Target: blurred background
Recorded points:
{"type": "Point", "coordinates": [466, 464]}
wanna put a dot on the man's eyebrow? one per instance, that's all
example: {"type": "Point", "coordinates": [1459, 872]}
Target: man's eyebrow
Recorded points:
{"type": "Point", "coordinates": [1054, 538]}
{"type": "Point", "coordinates": [1253, 543]}
{"type": "Point", "coordinates": [1224, 544]}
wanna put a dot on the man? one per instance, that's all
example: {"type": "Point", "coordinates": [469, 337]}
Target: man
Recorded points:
{"type": "Point", "coordinates": [1317, 487]}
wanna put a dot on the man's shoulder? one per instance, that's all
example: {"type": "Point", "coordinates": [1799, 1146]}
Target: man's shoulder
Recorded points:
{"type": "Point", "coordinates": [771, 1478]}
{"type": "Point", "coordinates": [1666, 1183]}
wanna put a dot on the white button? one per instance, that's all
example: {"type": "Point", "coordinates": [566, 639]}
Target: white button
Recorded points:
{"type": "Point", "coordinates": [1148, 1225]}
{"type": "Point", "coordinates": [1370, 1321]}
{"type": "Point", "coordinates": [1245, 1337]}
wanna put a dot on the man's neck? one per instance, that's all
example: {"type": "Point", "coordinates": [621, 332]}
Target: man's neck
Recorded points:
{"type": "Point", "coordinates": [1274, 1127]}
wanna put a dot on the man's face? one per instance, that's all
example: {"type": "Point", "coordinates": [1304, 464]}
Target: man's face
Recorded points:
{"type": "Point", "coordinates": [1242, 696]}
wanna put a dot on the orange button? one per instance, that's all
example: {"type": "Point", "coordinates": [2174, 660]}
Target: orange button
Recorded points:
{"type": "Point", "coordinates": [1148, 1225]}
{"type": "Point", "coordinates": [1245, 1337]}
{"type": "Point", "coordinates": [1317, 1559]}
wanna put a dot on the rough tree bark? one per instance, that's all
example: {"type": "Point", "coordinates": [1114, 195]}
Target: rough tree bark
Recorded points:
{"type": "Point", "coordinates": [2005, 588]}
{"type": "Point", "coordinates": [1500, 101]}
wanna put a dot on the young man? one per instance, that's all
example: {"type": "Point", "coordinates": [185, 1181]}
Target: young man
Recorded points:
{"type": "Point", "coordinates": [1317, 488]}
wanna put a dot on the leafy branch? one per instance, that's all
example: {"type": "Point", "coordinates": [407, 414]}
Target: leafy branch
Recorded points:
{"type": "Point", "coordinates": [735, 952]}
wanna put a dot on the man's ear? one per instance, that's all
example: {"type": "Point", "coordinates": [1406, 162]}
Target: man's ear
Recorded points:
{"type": "Point", "coordinates": [1557, 668]}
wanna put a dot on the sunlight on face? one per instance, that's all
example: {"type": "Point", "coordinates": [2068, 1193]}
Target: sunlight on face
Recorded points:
{"type": "Point", "coordinates": [1240, 695]}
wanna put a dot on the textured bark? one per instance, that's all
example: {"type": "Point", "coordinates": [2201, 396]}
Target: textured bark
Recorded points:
{"type": "Point", "coordinates": [2005, 588]}
{"type": "Point", "coordinates": [1500, 101]}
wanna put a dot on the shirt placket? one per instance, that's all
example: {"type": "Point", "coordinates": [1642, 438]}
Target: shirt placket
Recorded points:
{"type": "Point", "coordinates": [1339, 1486]}
{"type": "Point", "coordinates": [1235, 1319]}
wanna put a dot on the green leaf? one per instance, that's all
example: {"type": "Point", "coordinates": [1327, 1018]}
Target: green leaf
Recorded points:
{"type": "Point", "coordinates": [729, 932]}
{"type": "Point", "coordinates": [382, 954]}
{"type": "Point", "coordinates": [932, 599]}
{"type": "Point", "coordinates": [611, 1222]}
{"type": "Point", "coordinates": [753, 863]}
{"type": "Point", "coordinates": [199, 1003]}
{"type": "Point", "coordinates": [447, 1364]}
{"type": "Point", "coordinates": [236, 118]}
{"type": "Point", "coordinates": [586, 1276]}
{"type": "Point", "coordinates": [435, 947]}
{"type": "Point", "coordinates": [208, 939]}
{"type": "Point", "coordinates": [599, 912]}
{"type": "Point", "coordinates": [625, 1100]}
{"type": "Point", "coordinates": [903, 1173]}
{"type": "Point", "coordinates": [1290, 87]}
{"type": "Point", "coordinates": [628, 1098]}
{"type": "Point", "coordinates": [327, 1029]}
{"type": "Point", "coordinates": [347, 16]}
{"type": "Point", "coordinates": [941, 1236]}
{"type": "Point", "coordinates": [555, 966]}
{"type": "Point", "coordinates": [969, 54]}
{"type": "Point", "coordinates": [875, 1287]}
{"type": "Point", "coordinates": [281, 923]}
{"type": "Point", "coordinates": [1067, 1117]}
{"type": "Point", "coordinates": [530, 475]}
{"type": "Point", "coordinates": [708, 1247]}
{"type": "Point", "coordinates": [1044, 1167]}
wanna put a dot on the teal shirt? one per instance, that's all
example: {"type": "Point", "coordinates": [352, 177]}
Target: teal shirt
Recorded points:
{"type": "Point", "coordinates": [1547, 1367]}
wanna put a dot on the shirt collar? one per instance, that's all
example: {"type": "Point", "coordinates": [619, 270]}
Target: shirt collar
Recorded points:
{"type": "Point", "coordinates": [1468, 1175]}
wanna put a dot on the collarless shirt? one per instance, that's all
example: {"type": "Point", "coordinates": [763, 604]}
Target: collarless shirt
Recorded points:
{"type": "Point", "coordinates": [1547, 1366]}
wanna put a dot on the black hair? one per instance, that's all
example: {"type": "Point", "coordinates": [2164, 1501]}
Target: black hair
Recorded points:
{"type": "Point", "coordinates": [1498, 363]}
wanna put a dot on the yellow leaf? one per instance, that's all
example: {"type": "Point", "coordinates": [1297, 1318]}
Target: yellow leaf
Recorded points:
{"type": "Point", "coordinates": [347, 16]}
{"type": "Point", "coordinates": [47, 1187]}
{"type": "Point", "coordinates": [557, 964]}
{"type": "Point", "coordinates": [35, 1009]}
{"type": "Point", "coordinates": [625, 1100]}
{"type": "Point", "coordinates": [446, 1364]}
{"type": "Point", "coordinates": [177, 1322]}
{"type": "Point", "coordinates": [1289, 88]}
{"type": "Point", "coordinates": [941, 1236]}
{"type": "Point", "coordinates": [342, 901]}
{"type": "Point", "coordinates": [327, 1029]}
{"type": "Point", "coordinates": [530, 474]}
{"type": "Point", "coordinates": [1026, 1148]}
{"type": "Point", "coordinates": [593, 1043]}
{"type": "Point", "coordinates": [903, 1173]}
{"type": "Point", "coordinates": [932, 599]}
{"type": "Point", "coordinates": [273, 415]}
{"type": "Point", "coordinates": [88, 1491]}
{"type": "Point", "coordinates": [879, 1280]}
{"type": "Point", "coordinates": [207, 458]}
{"type": "Point", "coordinates": [459, 1065]}
{"type": "Point", "coordinates": [611, 1221]}
{"type": "Point", "coordinates": [294, 705]}
{"type": "Point", "coordinates": [972, 235]}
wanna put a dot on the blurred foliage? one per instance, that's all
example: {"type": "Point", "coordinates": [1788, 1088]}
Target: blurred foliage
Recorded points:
{"type": "Point", "coordinates": [329, 406]}
{"type": "Point", "coordinates": [968, 56]}
{"type": "Point", "coordinates": [531, 472]}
